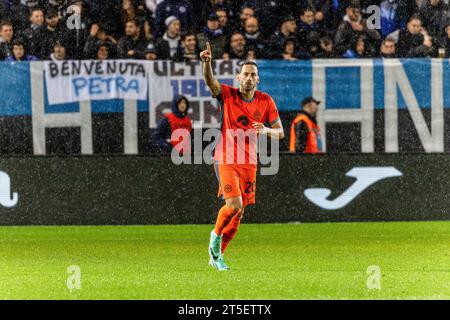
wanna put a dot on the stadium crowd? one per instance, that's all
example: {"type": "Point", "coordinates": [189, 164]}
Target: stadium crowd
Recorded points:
{"type": "Point", "coordinates": [254, 29]}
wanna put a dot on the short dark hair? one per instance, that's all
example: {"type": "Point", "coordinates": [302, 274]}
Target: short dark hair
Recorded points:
{"type": "Point", "coordinates": [307, 8]}
{"type": "Point", "coordinates": [220, 8]}
{"type": "Point", "coordinates": [133, 21]}
{"type": "Point", "coordinates": [414, 17]}
{"type": "Point", "coordinates": [32, 10]}
{"type": "Point", "coordinates": [235, 32]}
{"type": "Point", "coordinates": [18, 42]}
{"type": "Point", "coordinates": [354, 4]}
{"type": "Point", "coordinates": [58, 43]}
{"type": "Point", "coordinates": [5, 23]}
{"type": "Point", "coordinates": [100, 45]}
{"type": "Point", "coordinates": [51, 13]}
{"type": "Point", "coordinates": [289, 40]}
{"type": "Point", "coordinates": [247, 62]}
{"type": "Point", "coordinates": [189, 33]}
{"type": "Point", "coordinates": [245, 6]}
{"type": "Point", "coordinates": [307, 100]}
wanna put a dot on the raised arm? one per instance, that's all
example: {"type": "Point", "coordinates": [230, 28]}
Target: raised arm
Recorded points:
{"type": "Point", "coordinates": [211, 82]}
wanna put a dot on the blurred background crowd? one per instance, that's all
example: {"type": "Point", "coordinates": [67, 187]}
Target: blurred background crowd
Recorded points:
{"type": "Point", "coordinates": [254, 29]}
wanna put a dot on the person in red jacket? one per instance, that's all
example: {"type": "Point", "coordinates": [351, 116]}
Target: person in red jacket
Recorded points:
{"type": "Point", "coordinates": [176, 119]}
{"type": "Point", "coordinates": [305, 132]}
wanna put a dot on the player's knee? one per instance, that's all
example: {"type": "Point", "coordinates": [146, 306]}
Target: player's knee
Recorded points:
{"type": "Point", "coordinates": [236, 207]}
{"type": "Point", "coordinates": [235, 204]}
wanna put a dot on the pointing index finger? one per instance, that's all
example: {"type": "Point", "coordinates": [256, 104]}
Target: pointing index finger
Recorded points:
{"type": "Point", "coordinates": [208, 46]}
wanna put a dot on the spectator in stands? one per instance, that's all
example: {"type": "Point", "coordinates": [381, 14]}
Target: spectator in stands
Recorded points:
{"type": "Point", "coordinates": [434, 16]}
{"type": "Point", "coordinates": [177, 119]}
{"type": "Point", "coordinates": [306, 26]}
{"type": "Point", "coordinates": [182, 9]}
{"type": "Point", "coordinates": [414, 41]}
{"type": "Point", "coordinates": [133, 10]}
{"type": "Point", "coordinates": [19, 13]}
{"type": "Point", "coordinates": [288, 29]}
{"type": "Point", "coordinates": [326, 50]}
{"type": "Point", "coordinates": [168, 45]}
{"type": "Point", "coordinates": [352, 28]}
{"type": "Point", "coordinates": [59, 51]}
{"type": "Point", "coordinates": [307, 20]}
{"type": "Point", "coordinates": [251, 54]}
{"type": "Point", "coordinates": [305, 132]}
{"type": "Point", "coordinates": [237, 49]}
{"type": "Point", "coordinates": [188, 50]}
{"type": "Point", "coordinates": [214, 34]}
{"type": "Point", "coordinates": [19, 53]}
{"type": "Point", "coordinates": [52, 31]}
{"type": "Point", "coordinates": [33, 36]}
{"type": "Point", "coordinates": [289, 50]}
{"type": "Point", "coordinates": [254, 37]}
{"type": "Point", "coordinates": [312, 46]}
{"type": "Point", "coordinates": [128, 11]}
{"type": "Point", "coordinates": [388, 48]}
{"type": "Point", "coordinates": [98, 36]}
{"type": "Point", "coordinates": [247, 11]}
{"type": "Point", "coordinates": [322, 9]}
{"type": "Point", "coordinates": [102, 52]}
{"type": "Point", "coordinates": [254, 18]}
{"type": "Point", "coordinates": [132, 45]}
{"type": "Point", "coordinates": [6, 39]}
{"type": "Point", "coordinates": [358, 48]}
{"type": "Point", "coordinates": [222, 14]}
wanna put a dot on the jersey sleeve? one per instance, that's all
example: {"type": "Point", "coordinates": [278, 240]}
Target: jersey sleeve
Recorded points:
{"type": "Point", "coordinates": [223, 95]}
{"type": "Point", "coordinates": [224, 92]}
{"type": "Point", "coordinates": [272, 112]}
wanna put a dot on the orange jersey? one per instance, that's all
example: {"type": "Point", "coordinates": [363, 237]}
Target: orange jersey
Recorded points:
{"type": "Point", "coordinates": [238, 140]}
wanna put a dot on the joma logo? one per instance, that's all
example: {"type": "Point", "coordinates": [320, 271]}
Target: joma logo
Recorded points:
{"type": "Point", "coordinates": [365, 177]}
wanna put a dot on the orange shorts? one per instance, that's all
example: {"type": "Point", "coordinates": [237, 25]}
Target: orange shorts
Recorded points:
{"type": "Point", "coordinates": [235, 181]}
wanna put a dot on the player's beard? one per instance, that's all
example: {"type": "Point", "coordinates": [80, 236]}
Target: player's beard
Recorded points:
{"type": "Point", "coordinates": [248, 87]}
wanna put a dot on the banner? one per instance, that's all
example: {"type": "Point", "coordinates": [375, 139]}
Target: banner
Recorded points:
{"type": "Point", "coordinates": [168, 78]}
{"type": "Point", "coordinates": [85, 80]}
{"type": "Point", "coordinates": [368, 105]}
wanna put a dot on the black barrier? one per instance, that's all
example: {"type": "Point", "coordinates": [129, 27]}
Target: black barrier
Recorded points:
{"type": "Point", "coordinates": [152, 190]}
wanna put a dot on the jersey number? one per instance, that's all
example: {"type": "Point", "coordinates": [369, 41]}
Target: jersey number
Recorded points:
{"type": "Point", "coordinates": [250, 187]}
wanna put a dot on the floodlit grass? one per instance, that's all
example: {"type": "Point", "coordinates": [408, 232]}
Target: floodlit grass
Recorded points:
{"type": "Point", "coordinates": [268, 261]}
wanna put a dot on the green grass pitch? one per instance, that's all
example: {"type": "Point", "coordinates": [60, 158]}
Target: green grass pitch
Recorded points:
{"type": "Point", "coordinates": [268, 261]}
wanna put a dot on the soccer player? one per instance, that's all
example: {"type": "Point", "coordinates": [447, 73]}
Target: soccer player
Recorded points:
{"type": "Point", "coordinates": [244, 111]}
